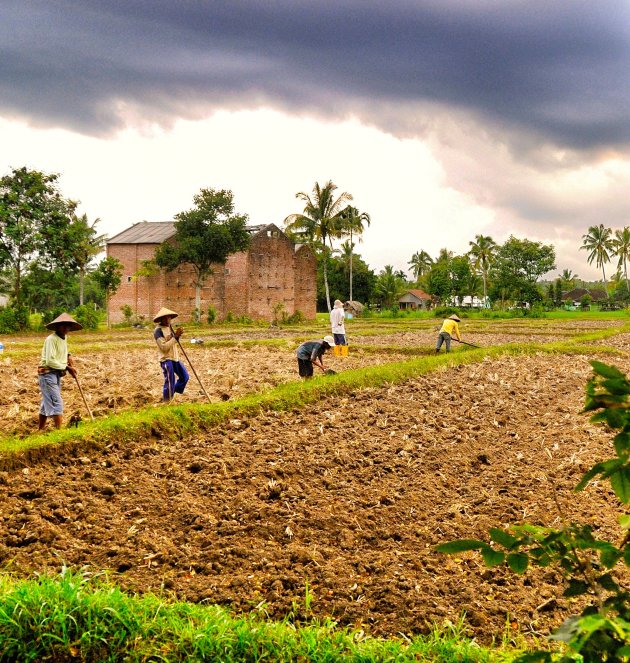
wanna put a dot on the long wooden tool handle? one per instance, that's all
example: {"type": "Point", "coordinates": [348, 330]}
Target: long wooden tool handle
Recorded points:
{"type": "Point", "coordinates": [192, 368]}
{"type": "Point", "coordinates": [87, 407]}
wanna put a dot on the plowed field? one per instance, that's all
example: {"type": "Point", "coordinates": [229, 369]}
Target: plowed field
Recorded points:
{"type": "Point", "coordinates": [349, 496]}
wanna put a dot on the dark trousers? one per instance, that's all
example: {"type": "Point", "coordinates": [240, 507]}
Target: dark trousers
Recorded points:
{"type": "Point", "coordinates": [171, 370]}
{"type": "Point", "coordinates": [305, 367]}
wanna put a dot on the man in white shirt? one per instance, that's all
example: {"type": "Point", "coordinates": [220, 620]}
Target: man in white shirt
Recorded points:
{"type": "Point", "coordinates": [337, 322]}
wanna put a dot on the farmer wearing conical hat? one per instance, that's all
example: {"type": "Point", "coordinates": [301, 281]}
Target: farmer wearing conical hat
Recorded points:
{"type": "Point", "coordinates": [54, 363]}
{"type": "Point", "coordinates": [449, 329]}
{"type": "Point", "coordinates": [175, 373]}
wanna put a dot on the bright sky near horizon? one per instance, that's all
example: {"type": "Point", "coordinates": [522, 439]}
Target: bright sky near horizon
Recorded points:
{"type": "Point", "coordinates": [444, 119]}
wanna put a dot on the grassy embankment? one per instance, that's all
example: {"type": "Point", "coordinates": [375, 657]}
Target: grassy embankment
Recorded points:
{"type": "Point", "coordinates": [182, 420]}
{"type": "Point", "coordinates": [74, 618]}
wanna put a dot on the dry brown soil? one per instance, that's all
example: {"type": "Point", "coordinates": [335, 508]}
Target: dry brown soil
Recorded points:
{"type": "Point", "coordinates": [124, 379]}
{"type": "Point", "coordinates": [349, 496]}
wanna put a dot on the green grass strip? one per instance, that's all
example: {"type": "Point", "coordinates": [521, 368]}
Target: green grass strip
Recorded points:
{"type": "Point", "coordinates": [176, 421]}
{"type": "Point", "coordinates": [75, 617]}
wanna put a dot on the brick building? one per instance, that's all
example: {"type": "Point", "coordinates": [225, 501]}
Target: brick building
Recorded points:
{"type": "Point", "coordinates": [272, 271]}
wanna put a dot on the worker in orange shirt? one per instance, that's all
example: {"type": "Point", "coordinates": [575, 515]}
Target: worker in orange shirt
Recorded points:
{"type": "Point", "coordinates": [449, 329]}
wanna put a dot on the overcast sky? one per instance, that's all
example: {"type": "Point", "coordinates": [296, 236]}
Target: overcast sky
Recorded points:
{"type": "Point", "coordinates": [445, 119]}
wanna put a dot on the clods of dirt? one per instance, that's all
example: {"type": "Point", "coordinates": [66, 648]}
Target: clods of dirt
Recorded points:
{"type": "Point", "coordinates": [350, 496]}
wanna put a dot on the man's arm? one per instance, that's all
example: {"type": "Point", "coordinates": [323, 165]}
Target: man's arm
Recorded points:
{"type": "Point", "coordinates": [316, 357]}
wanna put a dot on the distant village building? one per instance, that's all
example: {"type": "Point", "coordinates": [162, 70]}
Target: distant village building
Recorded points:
{"type": "Point", "coordinates": [575, 296]}
{"type": "Point", "coordinates": [273, 274]}
{"type": "Point", "coordinates": [415, 299]}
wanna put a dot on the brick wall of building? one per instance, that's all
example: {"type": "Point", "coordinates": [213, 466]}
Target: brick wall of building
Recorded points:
{"type": "Point", "coordinates": [237, 285]}
{"type": "Point", "coordinates": [305, 288]}
{"type": "Point", "coordinates": [271, 274]}
{"type": "Point", "coordinates": [251, 283]}
{"type": "Point", "coordinates": [142, 294]}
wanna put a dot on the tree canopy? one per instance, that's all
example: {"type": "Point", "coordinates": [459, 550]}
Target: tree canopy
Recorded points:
{"type": "Point", "coordinates": [205, 236]}
{"type": "Point", "coordinates": [321, 220]}
{"type": "Point", "coordinates": [517, 265]}
{"type": "Point", "coordinates": [34, 222]}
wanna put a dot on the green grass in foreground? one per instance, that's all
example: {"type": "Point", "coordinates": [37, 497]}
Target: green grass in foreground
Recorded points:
{"type": "Point", "coordinates": [72, 617]}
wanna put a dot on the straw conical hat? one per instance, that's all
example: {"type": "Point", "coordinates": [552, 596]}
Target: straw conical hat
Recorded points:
{"type": "Point", "coordinates": [162, 312]}
{"type": "Point", "coordinates": [66, 319]}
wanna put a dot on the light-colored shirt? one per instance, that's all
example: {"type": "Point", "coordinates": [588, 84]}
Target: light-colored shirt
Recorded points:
{"type": "Point", "coordinates": [450, 327]}
{"type": "Point", "coordinates": [55, 353]}
{"type": "Point", "coordinates": [167, 344]}
{"type": "Point", "coordinates": [337, 318]}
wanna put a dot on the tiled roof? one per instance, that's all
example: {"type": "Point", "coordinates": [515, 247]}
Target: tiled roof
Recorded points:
{"type": "Point", "coordinates": [156, 232]}
{"type": "Point", "coordinates": [145, 232]}
{"type": "Point", "coordinates": [420, 294]}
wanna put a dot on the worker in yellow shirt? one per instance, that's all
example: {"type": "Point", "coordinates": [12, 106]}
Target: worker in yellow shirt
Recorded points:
{"type": "Point", "coordinates": [448, 330]}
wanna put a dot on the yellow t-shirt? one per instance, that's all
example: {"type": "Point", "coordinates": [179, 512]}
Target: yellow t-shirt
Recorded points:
{"type": "Point", "coordinates": [450, 327]}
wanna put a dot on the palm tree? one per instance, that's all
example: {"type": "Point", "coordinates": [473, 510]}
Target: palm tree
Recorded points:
{"type": "Point", "coordinates": [599, 243]}
{"type": "Point", "coordinates": [420, 264]}
{"type": "Point", "coordinates": [568, 278]}
{"type": "Point", "coordinates": [482, 252]}
{"type": "Point", "coordinates": [319, 220]}
{"type": "Point", "coordinates": [389, 286]}
{"type": "Point", "coordinates": [351, 221]}
{"type": "Point", "coordinates": [621, 247]}
{"type": "Point", "coordinates": [86, 245]}
{"type": "Point", "coordinates": [444, 256]}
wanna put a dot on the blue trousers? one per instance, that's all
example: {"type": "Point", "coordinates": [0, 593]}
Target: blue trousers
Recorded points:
{"type": "Point", "coordinates": [173, 369]}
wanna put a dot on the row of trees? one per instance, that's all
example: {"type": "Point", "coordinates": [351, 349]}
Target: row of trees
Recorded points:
{"type": "Point", "coordinates": [47, 251]}
{"type": "Point", "coordinates": [506, 272]}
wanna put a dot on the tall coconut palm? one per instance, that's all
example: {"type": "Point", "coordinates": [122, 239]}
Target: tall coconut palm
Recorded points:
{"type": "Point", "coordinates": [621, 247]}
{"type": "Point", "coordinates": [598, 242]}
{"type": "Point", "coordinates": [420, 264]}
{"type": "Point", "coordinates": [319, 220]}
{"type": "Point", "coordinates": [352, 222]}
{"type": "Point", "coordinates": [482, 252]}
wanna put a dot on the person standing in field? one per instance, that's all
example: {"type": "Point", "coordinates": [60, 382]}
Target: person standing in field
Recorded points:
{"type": "Point", "coordinates": [448, 330]}
{"type": "Point", "coordinates": [310, 353]}
{"type": "Point", "coordinates": [337, 322]}
{"type": "Point", "coordinates": [175, 374]}
{"type": "Point", "coordinates": [55, 361]}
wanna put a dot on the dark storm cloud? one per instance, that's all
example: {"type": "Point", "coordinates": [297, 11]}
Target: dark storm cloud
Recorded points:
{"type": "Point", "coordinates": [558, 69]}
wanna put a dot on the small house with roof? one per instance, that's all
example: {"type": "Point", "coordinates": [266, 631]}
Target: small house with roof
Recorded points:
{"type": "Point", "coordinates": [415, 299]}
{"type": "Point", "coordinates": [274, 273]}
{"type": "Point", "coordinates": [575, 296]}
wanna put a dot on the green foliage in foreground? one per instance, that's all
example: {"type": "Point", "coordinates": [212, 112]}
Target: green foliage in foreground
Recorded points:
{"type": "Point", "coordinates": [76, 618]}
{"type": "Point", "coordinates": [601, 632]}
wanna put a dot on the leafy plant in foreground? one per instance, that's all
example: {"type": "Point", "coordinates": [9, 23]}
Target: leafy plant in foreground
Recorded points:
{"type": "Point", "coordinates": [601, 632]}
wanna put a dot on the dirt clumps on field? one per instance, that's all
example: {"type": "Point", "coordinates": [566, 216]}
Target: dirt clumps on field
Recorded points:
{"type": "Point", "coordinates": [131, 378]}
{"type": "Point", "coordinates": [348, 496]}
